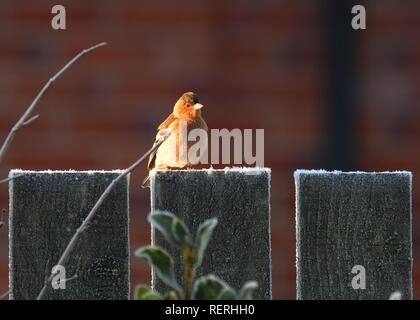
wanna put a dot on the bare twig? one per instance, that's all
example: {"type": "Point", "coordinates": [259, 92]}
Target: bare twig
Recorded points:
{"type": "Point", "coordinates": [31, 119]}
{"type": "Point", "coordinates": [92, 213]}
{"type": "Point", "coordinates": [11, 178]}
{"type": "Point", "coordinates": [3, 212]}
{"type": "Point", "coordinates": [4, 295]}
{"type": "Point", "coordinates": [69, 279]}
{"type": "Point", "coordinates": [25, 120]}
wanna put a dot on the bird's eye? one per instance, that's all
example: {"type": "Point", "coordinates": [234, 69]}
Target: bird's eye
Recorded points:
{"type": "Point", "coordinates": [188, 105]}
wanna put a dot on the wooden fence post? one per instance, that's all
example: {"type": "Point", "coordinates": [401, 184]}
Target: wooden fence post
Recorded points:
{"type": "Point", "coordinates": [353, 234]}
{"type": "Point", "coordinates": [46, 208]}
{"type": "Point", "coordinates": [240, 249]}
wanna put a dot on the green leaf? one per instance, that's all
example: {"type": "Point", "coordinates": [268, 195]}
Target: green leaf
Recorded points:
{"type": "Point", "coordinates": [162, 221]}
{"type": "Point", "coordinates": [211, 288]}
{"type": "Point", "coordinates": [204, 233]}
{"type": "Point", "coordinates": [173, 229]}
{"type": "Point", "coordinates": [247, 290]}
{"type": "Point", "coordinates": [152, 296]}
{"type": "Point", "coordinates": [162, 263]}
{"type": "Point", "coordinates": [227, 294]}
{"type": "Point", "coordinates": [171, 295]}
{"type": "Point", "coordinates": [144, 292]}
{"type": "Point", "coordinates": [140, 291]}
{"type": "Point", "coordinates": [180, 233]}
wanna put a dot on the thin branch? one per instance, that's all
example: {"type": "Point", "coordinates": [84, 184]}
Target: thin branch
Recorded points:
{"type": "Point", "coordinates": [4, 295]}
{"type": "Point", "coordinates": [3, 211]}
{"type": "Point", "coordinates": [69, 279]}
{"type": "Point", "coordinates": [30, 120]}
{"type": "Point", "coordinates": [25, 120]}
{"type": "Point", "coordinates": [11, 178]}
{"type": "Point", "coordinates": [92, 213]}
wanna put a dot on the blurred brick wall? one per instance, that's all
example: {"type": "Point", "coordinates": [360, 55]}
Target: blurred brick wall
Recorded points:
{"type": "Point", "coordinates": [255, 64]}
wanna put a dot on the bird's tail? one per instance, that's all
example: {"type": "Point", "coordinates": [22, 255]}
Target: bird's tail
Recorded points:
{"type": "Point", "coordinates": [146, 182]}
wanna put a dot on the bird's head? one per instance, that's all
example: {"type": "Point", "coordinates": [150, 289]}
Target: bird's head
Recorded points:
{"type": "Point", "coordinates": [188, 106]}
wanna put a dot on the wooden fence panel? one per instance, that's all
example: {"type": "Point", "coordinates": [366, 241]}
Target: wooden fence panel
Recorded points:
{"type": "Point", "coordinates": [353, 235]}
{"type": "Point", "coordinates": [46, 208]}
{"type": "Point", "coordinates": [240, 249]}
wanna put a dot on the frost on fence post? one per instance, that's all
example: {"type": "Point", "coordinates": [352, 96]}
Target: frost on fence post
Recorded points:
{"type": "Point", "coordinates": [240, 249]}
{"type": "Point", "coordinates": [353, 234]}
{"type": "Point", "coordinates": [46, 208]}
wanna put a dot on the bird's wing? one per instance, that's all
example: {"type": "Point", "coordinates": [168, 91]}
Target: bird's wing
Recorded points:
{"type": "Point", "coordinates": [152, 158]}
{"type": "Point", "coordinates": [162, 134]}
{"type": "Point", "coordinates": [165, 124]}
{"type": "Point", "coordinates": [162, 130]}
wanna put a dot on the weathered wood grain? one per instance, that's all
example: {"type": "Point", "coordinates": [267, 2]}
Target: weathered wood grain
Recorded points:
{"type": "Point", "coordinates": [348, 219]}
{"type": "Point", "coordinates": [240, 249]}
{"type": "Point", "coordinates": [46, 208]}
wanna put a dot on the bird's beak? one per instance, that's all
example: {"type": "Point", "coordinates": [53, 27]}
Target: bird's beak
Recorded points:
{"type": "Point", "coordinates": [198, 106]}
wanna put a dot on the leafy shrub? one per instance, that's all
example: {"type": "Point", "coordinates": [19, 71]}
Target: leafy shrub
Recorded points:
{"type": "Point", "coordinates": [208, 287]}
